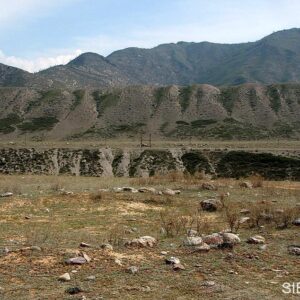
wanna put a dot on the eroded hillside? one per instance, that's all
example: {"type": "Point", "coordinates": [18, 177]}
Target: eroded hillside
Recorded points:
{"type": "Point", "coordinates": [250, 111]}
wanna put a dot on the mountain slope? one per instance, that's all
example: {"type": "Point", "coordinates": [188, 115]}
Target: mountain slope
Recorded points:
{"type": "Point", "coordinates": [249, 111]}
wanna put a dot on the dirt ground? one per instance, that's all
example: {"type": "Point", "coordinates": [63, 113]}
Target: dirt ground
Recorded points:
{"type": "Point", "coordinates": [42, 213]}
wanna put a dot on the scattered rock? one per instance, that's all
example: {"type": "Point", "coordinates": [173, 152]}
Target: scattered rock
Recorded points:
{"type": "Point", "coordinates": [178, 267]}
{"type": "Point", "coordinates": [203, 248]}
{"type": "Point", "coordinates": [208, 283]}
{"type": "Point", "coordinates": [5, 250]}
{"type": "Point", "coordinates": [245, 211]}
{"type": "Point", "coordinates": [66, 193]}
{"type": "Point", "coordinates": [144, 241]}
{"type": "Point", "coordinates": [86, 257]}
{"type": "Point", "coordinates": [193, 241]}
{"type": "Point", "coordinates": [147, 190]}
{"type": "Point", "coordinates": [192, 232]}
{"type": "Point", "coordinates": [74, 290]}
{"type": "Point", "coordinates": [213, 240]}
{"type": "Point", "coordinates": [7, 194]}
{"type": "Point", "coordinates": [129, 189]}
{"type": "Point", "coordinates": [64, 277]}
{"type": "Point", "coordinates": [170, 192]}
{"type": "Point", "coordinates": [118, 262]}
{"type": "Point", "coordinates": [79, 260]}
{"type": "Point", "coordinates": [210, 205]}
{"type": "Point", "coordinates": [262, 247]}
{"type": "Point", "coordinates": [91, 278]}
{"type": "Point", "coordinates": [246, 184]}
{"type": "Point", "coordinates": [132, 270]}
{"type": "Point", "coordinates": [85, 245]}
{"type": "Point", "coordinates": [146, 289]}
{"type": "Point", "coordinates": [164, 252]}
{"type": "Point", "coordinates": [256, 239]}
{"type": "Point", "coordinates": [107, 247]}
{"type": "Point", "coordinates": [229, 256]}
{"type": "Point", "coordinates": [117, 190]}
{"type": "Point", "coordinates": [172, 261]}
{"type": "Point", "coordinates": [35, 248]}
{"type": "Point", "coordinates": [296, 222]}
{"type": "Point", "coordinates": [244, 220]}
{"type": "Point", "coordinates": [32, 248]}
{"type": "Point", "coordinates": [294, 250]}
{"type": "Point", "coordinates": [208, 186]}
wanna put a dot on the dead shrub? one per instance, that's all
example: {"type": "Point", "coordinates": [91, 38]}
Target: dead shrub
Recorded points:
{"type": "Point", "coordinates": [173, 223]}
{"type": "Point", "coordinates": [56, 186]}
{"type": "Point", "coordinates": [203, 224]}
{"type": "Point", "coordinates": [35, 236]}
{"type": "Point", "coordinates": [261, 213]}
{"type": "Point", "coordinates": [114, 236]}
{"type": "Point", "coordinates": [257, 181]}
{"type": "Point", "coordinates": [232, 216]}
{"type": "Point", "coordinates": [96, 197]}
{"type": "Point", "coordinates": [285, 217]}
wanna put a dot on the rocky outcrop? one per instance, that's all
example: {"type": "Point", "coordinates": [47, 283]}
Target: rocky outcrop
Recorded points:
{"type": "Point", "coordinates": [145, 163]}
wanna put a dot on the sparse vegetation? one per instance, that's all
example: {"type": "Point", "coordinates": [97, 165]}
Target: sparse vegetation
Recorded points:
{"type": "Point", "coordinates": [185, 94]}
{"type": "Point", "coordinates": [79, 94]}
{"type": "Point", "coordinates": [38, 124]}
{"type": "Point", "coordinates": [274, 97]}
{"type": "Point", "coordinates": [7, 124]}
{"type": "Point", "coordinates": [104, 101]}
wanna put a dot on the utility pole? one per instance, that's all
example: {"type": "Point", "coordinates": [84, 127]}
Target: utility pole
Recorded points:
{"type": "Point", "coordinates": [141, 140]}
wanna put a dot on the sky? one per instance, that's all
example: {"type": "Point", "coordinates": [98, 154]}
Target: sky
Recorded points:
{"type": "Point", "coordinates": [37, 34]}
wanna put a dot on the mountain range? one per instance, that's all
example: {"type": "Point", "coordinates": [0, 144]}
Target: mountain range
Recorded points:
{"type": "Point", "coordinates": [207, 90]}
{"type": "Point", "coordinates": [273, 59]}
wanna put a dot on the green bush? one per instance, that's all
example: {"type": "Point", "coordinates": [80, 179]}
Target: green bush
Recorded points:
{"type": "Point", "coordinates": [37, 124]}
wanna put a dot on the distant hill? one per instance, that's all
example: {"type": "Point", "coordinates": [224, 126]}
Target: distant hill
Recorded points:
{"type": "Point", "coordinates": [273, 59]}
{"type": "Point", "coordinates": [248, 111]}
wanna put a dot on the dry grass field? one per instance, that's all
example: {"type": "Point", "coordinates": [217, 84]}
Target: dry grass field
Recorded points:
{"type": "Point", "coordinates": [41, 213]}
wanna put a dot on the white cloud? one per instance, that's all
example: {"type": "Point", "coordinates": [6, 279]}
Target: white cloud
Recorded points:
{"type": "Point", "coordinates": [39, 63]}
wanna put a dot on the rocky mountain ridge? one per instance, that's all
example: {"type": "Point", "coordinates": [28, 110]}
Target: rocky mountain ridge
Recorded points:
{"type": "Point", "coordinates": [273, 59]}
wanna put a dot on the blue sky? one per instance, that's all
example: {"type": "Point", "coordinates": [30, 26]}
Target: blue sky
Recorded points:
{"type": "Point", "coordinates": [36, 34]}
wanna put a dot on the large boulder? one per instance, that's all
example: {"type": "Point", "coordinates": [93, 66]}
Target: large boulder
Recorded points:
{"type": "Point", "coordinates": [210, 205]}
{"type": "Point", "coordinates": [230, 238]}
{"type": "Point", "coordinates": [208, 186]}
{"type": "Point", "coordinates": [213, 240]}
